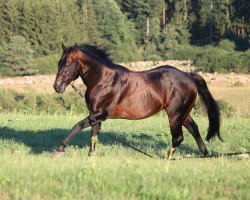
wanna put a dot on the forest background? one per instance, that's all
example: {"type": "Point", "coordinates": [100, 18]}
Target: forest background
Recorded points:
{"type": "Point", "coordinates": [213, 34]}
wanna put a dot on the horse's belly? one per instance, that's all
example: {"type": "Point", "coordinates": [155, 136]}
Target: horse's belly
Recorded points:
{"type": "Point", "coordinates": [136, 108]}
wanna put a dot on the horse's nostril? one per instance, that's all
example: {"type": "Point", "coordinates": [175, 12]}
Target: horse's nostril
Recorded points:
{"type": "Point", "coordinates": [57, 87]}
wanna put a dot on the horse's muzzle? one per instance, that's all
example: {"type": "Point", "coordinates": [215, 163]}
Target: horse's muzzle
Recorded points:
{"type": "Point", "coordinates": [59, 88]}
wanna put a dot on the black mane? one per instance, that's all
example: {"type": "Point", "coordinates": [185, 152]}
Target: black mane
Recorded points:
{"type": "Point", "coordinates": [95, 51]}
{"type": "Point", "coordinates": [99, 53]}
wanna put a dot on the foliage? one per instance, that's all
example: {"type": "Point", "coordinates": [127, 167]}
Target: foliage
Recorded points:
{"type": "Point", "coordinates": [70, 102]}
{"type": "Point", "coordinates": [184, 52]}
{"type": "Point", "coordinates": [117, 32]}
{"type": "Point", "coordinates": [16, 57]}
{"type": "Point", "coordinates": [226, 109]}
{"type": "Point", "coordinates": [213, 59]}
{"type": "Point", "coordinates": [47, 64]}
{"type": "Point", "coordinates": [210, 21]}
{"type": "Point", "coordinates": [29, 102]}
{"type": "Point", "coordinates": [132, 30]}
{"type": "Point", "coordinates": [227, 45]}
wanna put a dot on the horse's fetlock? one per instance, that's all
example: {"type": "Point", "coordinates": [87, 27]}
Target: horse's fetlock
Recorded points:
{"type": "Point", "coordinates": [93, 139]}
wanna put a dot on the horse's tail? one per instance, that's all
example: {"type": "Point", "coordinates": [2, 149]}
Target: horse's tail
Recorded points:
{"type": "Point", "coordinates": [212, 107]}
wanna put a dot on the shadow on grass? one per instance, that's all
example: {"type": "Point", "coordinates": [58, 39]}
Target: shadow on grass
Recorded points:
{"type": "Point", "coordinates": [48, 140]}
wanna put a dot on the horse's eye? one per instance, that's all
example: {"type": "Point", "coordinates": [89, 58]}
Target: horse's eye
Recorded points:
{"type": "Point", "coordinates": [67, 65]}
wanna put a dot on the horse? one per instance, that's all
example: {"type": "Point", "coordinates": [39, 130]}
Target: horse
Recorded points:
{"type": "Point", "coordinates": [115, 92]}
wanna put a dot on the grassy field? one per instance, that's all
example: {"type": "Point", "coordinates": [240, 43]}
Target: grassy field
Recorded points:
{"type": "Point", "coordinates": [27, 170]}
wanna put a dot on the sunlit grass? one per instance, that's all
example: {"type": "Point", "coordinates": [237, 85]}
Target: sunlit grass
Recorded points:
{"type": "Point", "coordinates": [27, 170]}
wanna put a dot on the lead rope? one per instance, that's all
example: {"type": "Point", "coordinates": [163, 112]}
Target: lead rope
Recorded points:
{"type": "Point", "coordinates": [77, 91]}
{"type": "Point", "coordinates": [161, 157]}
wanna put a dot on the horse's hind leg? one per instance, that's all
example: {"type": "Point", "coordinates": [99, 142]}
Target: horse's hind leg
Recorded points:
{"type": "Point", "coordinates": [175, 123]}
{"type": "Point", "coordinates": [192, 127]}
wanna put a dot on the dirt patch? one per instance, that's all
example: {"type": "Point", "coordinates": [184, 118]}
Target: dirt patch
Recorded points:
{"type": "Point", "coordinates": [227, 79]}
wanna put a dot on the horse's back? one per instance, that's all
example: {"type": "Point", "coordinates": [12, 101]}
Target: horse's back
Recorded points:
{"type": "Point", "coordinates": [174, 86]}
{"type": "Point", "coordinates": [167, 76]}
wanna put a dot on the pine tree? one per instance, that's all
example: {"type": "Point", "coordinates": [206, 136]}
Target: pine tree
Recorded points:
{"type": "Point", "coordinates": [88, 23]}
{"type": "Point", "coordinates": [16, 57]}
{"type": "Point", "coordinates": [179, 21]}
{"type": "Point", "coordinates": [44, 16]}
{"type": "Point", "coordinates": [69, 22]}
{"type": "Point", "coordinates": [211, 21]}
{"type": "Point", "coordinates": [117, 32]}
{"type": "Point", "coordinates": [9, 18]}
{"type": "Point", "coordinates": [24, 25]}
{"type": "Point", "coordinates": [221, 18]}
{"type": "Point", "coordinates": [240, 17]}
{"type": "Point", "coordinates": [142, 12]}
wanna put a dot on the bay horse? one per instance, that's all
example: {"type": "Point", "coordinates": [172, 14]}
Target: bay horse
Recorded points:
{"type": "Point", "coordinates": [115, 92]}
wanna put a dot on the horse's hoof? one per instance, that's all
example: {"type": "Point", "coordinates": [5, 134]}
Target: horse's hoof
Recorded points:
{"type": "Point", "coordinates": [58, 154]}
{"type": "Point", "coordinates": [170, 153]}
{"type": "Point", "coordinates": [91, 154]}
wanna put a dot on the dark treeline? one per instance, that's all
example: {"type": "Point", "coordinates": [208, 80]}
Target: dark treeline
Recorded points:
{"type": "Point", "coordinates": [132, 30]}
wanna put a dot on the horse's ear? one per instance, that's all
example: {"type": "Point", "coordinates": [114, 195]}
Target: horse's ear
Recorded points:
{"type": "Point", "coordinates": [75, 48]}
{"type": "Point", "coordinates": [63, 47]}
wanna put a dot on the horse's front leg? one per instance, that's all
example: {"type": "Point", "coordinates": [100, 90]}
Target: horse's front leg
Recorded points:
{"type": "Point", "coordinates": [78, 127]}
{"type": "Point", "coordinates": [93, 139]}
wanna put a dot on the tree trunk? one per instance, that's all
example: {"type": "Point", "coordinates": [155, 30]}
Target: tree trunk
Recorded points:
{"type": "Point", "coordinates": [147, 30]}
{"type": "Point", "coordinates": [185, 10]}
{"type": "Point", "coordinates": [164, 16]}
{"type": "Point", "coordinates": [86, 11]}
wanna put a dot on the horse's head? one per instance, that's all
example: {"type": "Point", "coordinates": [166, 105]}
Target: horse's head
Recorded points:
{"type": "Point", "coordinates": [69, 68]}
{"type": "Point", "coordinates": [83, 60]}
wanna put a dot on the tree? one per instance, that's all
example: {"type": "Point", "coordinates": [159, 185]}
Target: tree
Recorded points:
{"type": "Point", "coordinates": [118, 33]}
{"type": "Point", "coordinates": [88, 23]}
{"type": "Point", "coordinates": [142, 12]}
{"type": "Point", "coordinates": [240, 17]}
{"type": "Point", "coordinates": [8, 18]}
{"type": "Point", "coordinates": [210, 21]}
{"type": "Point", "coordinates": [16, 57]}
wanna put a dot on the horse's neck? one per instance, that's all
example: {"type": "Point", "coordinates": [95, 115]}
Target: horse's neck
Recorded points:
{"type": "Point", "coordinates": [94, 74]}
{"type": "Point", "coordinates": [102, 73]}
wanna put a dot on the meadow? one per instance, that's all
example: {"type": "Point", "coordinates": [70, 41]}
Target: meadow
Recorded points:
{"type": "Point", "coordinates": [28, 171]}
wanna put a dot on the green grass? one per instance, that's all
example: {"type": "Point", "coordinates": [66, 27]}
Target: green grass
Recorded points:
{"type": "Point", "coordinates": [27, 170]}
